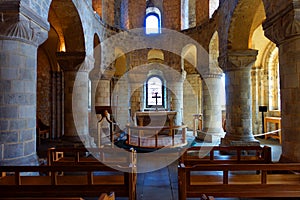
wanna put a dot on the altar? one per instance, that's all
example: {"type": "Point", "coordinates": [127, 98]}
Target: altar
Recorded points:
{"type": "Point", "coordinates": [155, 118]}
{"type": "Point", "coordinates": [156, 129]}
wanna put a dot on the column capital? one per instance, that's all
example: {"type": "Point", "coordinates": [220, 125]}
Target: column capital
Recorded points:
{"type": "Point", "coordinates": [108, 73]}
{"type": "Point", "coordinates": [70, 61]}
{"type": "Point", "coordinates": [214, 72]}
{"type": "Point", "coordinates": [283, 25]}
{"type": "Point", "coordinates": [238, 59]}
{"type": "Point", "coordinates": [19, 22]}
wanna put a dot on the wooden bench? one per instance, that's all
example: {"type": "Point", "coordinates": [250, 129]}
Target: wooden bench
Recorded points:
{"type": "Point", "coordinates": [239, 180]}
{"type": "Point", "coordinates": [89, 156]}
{"type": "Point", "coordinates": [66, 179]}
{"type": "Point", "coordinates": [226, 154]}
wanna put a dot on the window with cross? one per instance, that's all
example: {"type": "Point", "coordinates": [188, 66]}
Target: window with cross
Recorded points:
{"type": "Point", "coordinates": [154, 92]}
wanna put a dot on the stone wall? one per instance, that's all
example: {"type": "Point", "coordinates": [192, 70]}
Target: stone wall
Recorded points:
{"type": "Point", "coordinates": [43, 88]}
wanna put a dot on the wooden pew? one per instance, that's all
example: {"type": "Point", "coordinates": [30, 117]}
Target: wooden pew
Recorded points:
{"type": "Point", "coordinates": [239, 180]}
{"type": "Point", "coordinates": [78, 180]}
{"type": "Point", "coordinates": [88, 156]}
{"type": "Point", "coordinates": [228, 154]}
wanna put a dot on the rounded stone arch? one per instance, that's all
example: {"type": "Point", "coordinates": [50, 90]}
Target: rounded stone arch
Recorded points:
{"type": "Point", "coordinates": [270, 64]}
{"type": "Point", "coordinates": [214, 51]}
{"type": "Point", "coordinates": [274, 84]}
{"type": "Point", "coordinates": [189, 58]}
{"type": "Point", "coordinates": [191, 96]}
{"type": "Point", "coordinates": [65, 19]}
{"type": "Point", "coordinates": [97, 51]}
{"type": "Point", "coordinates": [120, 62]}
{"type": "Point", "coordinates": [155, 55]}
{"type": "Point", "coordinates": [247, 16]}
{"type": "Point", "coordinates": [214, 67]}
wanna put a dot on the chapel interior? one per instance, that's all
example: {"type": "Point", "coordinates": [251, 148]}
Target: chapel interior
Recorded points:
{"type": "Point", "coordinates": [105, 73]}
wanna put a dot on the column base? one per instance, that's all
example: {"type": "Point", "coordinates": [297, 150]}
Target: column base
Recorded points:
{"type": "Point", "coordinates": [209, 137]}
{"type": "Point", "coordinates": [227, 142]}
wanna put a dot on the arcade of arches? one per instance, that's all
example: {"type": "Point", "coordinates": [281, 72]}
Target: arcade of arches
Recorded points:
{"type": "Point", "coordinates": [61, 59]}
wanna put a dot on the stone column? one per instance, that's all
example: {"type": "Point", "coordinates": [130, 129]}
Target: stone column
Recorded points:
{"type": "Point", "coordinates": [94, 77]}
{"type": "Point", "coordinates": [56, 121]}
{"type": "Point", "coordinates": [212, 111]}
{"type": "Point", "coordinates": [284, 30]}
{"type": "Point", "coordinates": [135, 82]}
{"type": "Point", "coordinates": [19, 39]}
{"type": "Point", "coordinates": [175, 85]}
{"type": "Point", "coordinates": [239, 98]}
{"type": "Point", "coordinates": [192, 88]}
{"type": "Point", "coordinates": [70, 62]}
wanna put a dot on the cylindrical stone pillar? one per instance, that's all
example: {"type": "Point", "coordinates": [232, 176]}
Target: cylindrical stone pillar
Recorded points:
{"type": "Point", "coordinates": [283, 28]}
{"type": "Point", "coordinates": [212, 111]}
{"type": "Point", "coordinates": [239, 98]}
{"type": "Point", "coordinates": [19, 39]}
{"type": "Point", "coordinates": [175, 85]}
{"type": "Point", "coordinates": [70, 62]}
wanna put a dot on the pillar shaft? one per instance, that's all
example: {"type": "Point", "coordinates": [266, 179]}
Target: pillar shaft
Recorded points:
{"type": "Point", "coordinates": [70, 63]}
{"type": "Point", "coordinates": [284, 30]}
{"type": "Point", "coordinates": [239, 98]}
{"type": "Point", "coordinates": [19, 38]}
{"type": "Point", "coordinates": [212, 111]}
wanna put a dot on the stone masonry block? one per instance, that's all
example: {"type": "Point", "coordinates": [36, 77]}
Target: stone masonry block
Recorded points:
{"type": "Point", "coordinates": [13, 150]}
{"type": "Point", "coordinates": [31, 123]}
{"type": "Point", "coordinates": [27, 111]}
{"type": "Point", "coordinates": [9, 73]}
{"type": "Point", "coordinates": [26, 74]}
{"type": "Point", "coordinates": [29, 147]}
{"type": "Point", "coordinates": [9, 137]}
{"type": "Point", "coordinates": [9, 111]}
{"type": "Point", "coordinates": [17, 86]}
{"type": "Point", "coordinates": [5, 85]}
{"type": "Point", "coordinates": [3, 125]}
{"type": "Point", "coordinates": [17, 124]}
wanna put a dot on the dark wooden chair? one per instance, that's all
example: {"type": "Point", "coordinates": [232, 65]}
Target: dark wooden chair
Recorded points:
{"type": "Point", "coordinates": [43, 131]}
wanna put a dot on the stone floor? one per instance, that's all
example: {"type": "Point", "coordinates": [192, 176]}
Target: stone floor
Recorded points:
{"type": "Point", "coordinates": [162, 184]}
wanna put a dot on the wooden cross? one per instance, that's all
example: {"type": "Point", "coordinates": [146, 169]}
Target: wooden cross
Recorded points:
{"type": "Point", "coordinates": [156, 97]}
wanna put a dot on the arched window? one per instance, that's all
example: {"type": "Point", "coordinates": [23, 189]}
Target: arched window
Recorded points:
{"type": "Point", "coordinates": [152, 24]}
{"type": "Point", "coordinates": [154, 92]}
{"type": "Point", "coordinates": [153, 21]}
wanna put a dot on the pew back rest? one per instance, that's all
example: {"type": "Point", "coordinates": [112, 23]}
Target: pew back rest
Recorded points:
{"type": "Point", "coordinates": [78, 180]}
{"type": "Point", "coordinates": [90, 156]}
{"type": "Point", "coordinates": [228, 154]}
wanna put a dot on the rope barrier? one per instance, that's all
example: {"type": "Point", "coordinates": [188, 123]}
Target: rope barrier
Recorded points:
{"type": "Point", "coordinates": [267, 133]}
